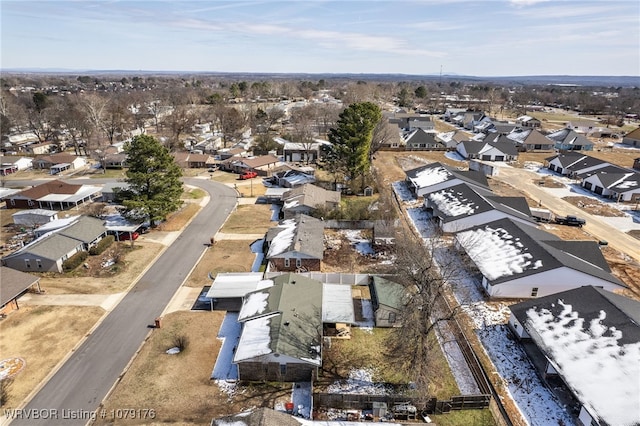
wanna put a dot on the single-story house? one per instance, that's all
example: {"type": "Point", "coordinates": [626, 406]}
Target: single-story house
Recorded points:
{"type": "Point", "coordinates": [531, 140]}
{"type": "Point", "coordinates": [436, 176]}
{"type": "Point", "coordinates": [582, 126]}
{"type": "Point", "coordinates": [109, 190]}
{"type": "Point", "coordinates": [114, 161]}
{"type": "Point", "coordinates": [387, 299]}
{"type": "Point", "coordinates": [50, 162]}
{"type": "Point", "coordinates": [451, 113]}
{"type": "Point", "coordinates": [48, 253]}
{"type": "Point", "coordinates": [528, 121]}
{"type": "Point", "coordinates": [569, 140]}
{"type": "Point", "coordinates": [53, 194]}
{"type": "Point", "coordinates": [585, 342]}
{"type": "Point", "coordinates": [622, 186]}
{"type": "Point", "coordinates": [293, 178]}
{"type": "Point", "coordinates": [296, 245]}
{"type": "Point", "coordinates": [188, 160]}
{"type": "Point", "coordinates": [632, 138]}
{"type": "Point", "coordinates": [502, 150]}
{"type": "Point", "coordinates": [296, 152]}
{"type": "Point", "coordinates": [521, 261]}
{"type": "Point", "coordinates": [418, 139]}
{"type": "Point", "coordinates": [281, 338]}
{"type": "Point", "coordinates": [451, 139]}
{"type": "Point", "coordinates": [306, 198]}
{"type": "Point", "coordinates": [561, 163]}
{"type": "Point", "coordinates": [12, 164]}
{"type": "Point", "coordinates": [14, 284]}
{"type": "Point", "coordinates": [39, 148]}
{"type": "Point", "coordinates": [462, 207]}
{"type": "Point", "coordinates": [34, 217]}
{"type": "Point", "coordinates": [264, 165]}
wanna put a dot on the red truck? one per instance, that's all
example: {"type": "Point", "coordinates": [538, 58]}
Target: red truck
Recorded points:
{"type": "Point", "coordinates": [248, 175]}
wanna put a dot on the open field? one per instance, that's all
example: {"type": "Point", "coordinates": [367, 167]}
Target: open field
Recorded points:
{"type": "Point", "coordinates": [42, 336]}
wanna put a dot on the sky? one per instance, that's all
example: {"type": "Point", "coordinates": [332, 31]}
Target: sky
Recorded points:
{"type": "Point", "coordinates": [421, 37]}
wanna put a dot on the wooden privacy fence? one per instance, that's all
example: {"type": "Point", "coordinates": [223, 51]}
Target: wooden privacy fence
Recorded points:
{"type": "Point", "coordinates": [430, 406]}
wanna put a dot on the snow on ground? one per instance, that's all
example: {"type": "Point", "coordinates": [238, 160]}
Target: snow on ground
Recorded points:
{"type": "Point", "coordinates": [301, 398]}
{"type": "Point", "coordinates": [360, 382]}
{"type": "Point", "coordinates": [338, 423]}
{"type": "Point", "coordinates": [534, 400]}
{"type": "Point", "coordinates": [454, 155]}
{"type": "Point", "coordinates": [403, 192]}
{"type": "Point", "coordinates": [362, 245]}
{"type": "Point", "coordinates": [368, 321]}
{"type": "Point", "coordinates": [275, 212]}
{"type": "Point", "coordinates": [256, 247]}
{"type": "Point", "coordinates": [225, 372]}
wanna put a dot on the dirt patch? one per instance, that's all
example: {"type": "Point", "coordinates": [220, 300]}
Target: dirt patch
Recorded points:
{"type": "Point", "coordinates": [635, 233]}
{"type": "Point", "coordinates": [177, 387]}
{"type": "Point", "coordinates": [340, 255]}
{"type": "Point", "coordinates": [34, 333]}
{"type": "Point", "coordinates": [593, 206]}
{"type": "Point", "coordinates": [625, 269]}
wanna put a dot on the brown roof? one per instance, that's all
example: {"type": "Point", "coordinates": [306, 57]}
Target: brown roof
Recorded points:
{"type": "Point", "coordinates": [263, 160]}
{"type": "Point", "coordinates": [61, 157]}
{"type": "Point", "coordinates": [52, 187]}
{"type": "Point", "coordinates": [635, 134]}
{"type": "Point", "coordinates": [13, 283]}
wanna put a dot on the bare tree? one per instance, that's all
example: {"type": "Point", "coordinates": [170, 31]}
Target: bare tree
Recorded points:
{"type": "Point", "coordinates": [179, 121]}
{"type": "Point", "coordinates": [383, 134]}
{"type": "Point", "coordinates": [428, 276]}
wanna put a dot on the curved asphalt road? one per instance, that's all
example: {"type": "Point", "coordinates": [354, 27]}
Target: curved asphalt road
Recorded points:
{"type": "Point", "coordinates": [82, 382]}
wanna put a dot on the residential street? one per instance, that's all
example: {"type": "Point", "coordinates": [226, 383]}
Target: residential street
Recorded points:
{"type": "Point", "coordinates": [524, 181]}
{"type": "Point", "coordinates": [80, 385]}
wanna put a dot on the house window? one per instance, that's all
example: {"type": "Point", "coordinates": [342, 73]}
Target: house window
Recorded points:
{"type": "Point", "coordinates": [534, 292]}
{"type": "Point", "coordinates": [39, 263]}
{"type": "Point", "coordinates": [392, 317]}
{"type": "Point", "coordinates": [283, 369]}
{"type": "Point", "coordinates": [286, 262]}
{"type": "Point", "coordinates": [298, 263]}
{"type": "Point", "coordinates": [31, 203]}
{"type": "Point", "coordinates": [27, 263]}
{"type": "Point", "coordinates": [13, 202]}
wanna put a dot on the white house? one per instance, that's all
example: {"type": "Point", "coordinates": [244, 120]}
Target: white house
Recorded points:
{"type": "Point", "coordinates": [34, 217]}
{"type": "Point", "coordinates": [488, 151]}
{"type": "Point", "coordinates": [632, 138]}
{"type": "Point", "coordinates": [13, 164]}
{"type": "Point", "coordinates": [462, 207]}
{"type": "Point", "coordinates": [521, 261]}
{"type": "Point", "coordinates": [585, 343]}
{"type": "Point", "coordinates": [436, 176]}
{"type": "Point", "coordinates": [623, 186]}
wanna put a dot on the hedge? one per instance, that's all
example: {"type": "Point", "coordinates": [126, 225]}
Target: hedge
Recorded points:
{"type": "Point", "coordinates": [74, 261]}
{"type": "Point", "coordinates": [102, 245]}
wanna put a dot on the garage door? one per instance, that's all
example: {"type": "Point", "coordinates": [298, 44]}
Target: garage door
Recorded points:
{"type": "Point", "coordinates": [598, 190]}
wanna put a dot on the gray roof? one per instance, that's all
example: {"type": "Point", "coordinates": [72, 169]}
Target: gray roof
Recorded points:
{"type": "Point", "coordinates": [552, 252]}
{"type": "Point", "coordinates": [309, 195]}
{"type": "Point", "coordinates": [86, 229]}
{"type": "Point", "coordinates": [621, 312]}
{"type": "Point", "coordinates": [13, 283]}
{"type": "Point", "coordinates": [307, 237]}
{"type": "Point", "coordinates": [51, 247]}
{"type": "Point", "coordinates": [419, 136]}
{"type": "Point", "coordinates": [566, 159]}
{"type": "Point", "coordinates": [257, 417]}
{"type": "Point", "coordinates": [586, 162]}
{"type": "Point", "coordinates": [469, 176]}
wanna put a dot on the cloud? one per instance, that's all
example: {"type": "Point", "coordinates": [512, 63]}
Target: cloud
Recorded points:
{"type": "Point", "coordinates": [523, 3]}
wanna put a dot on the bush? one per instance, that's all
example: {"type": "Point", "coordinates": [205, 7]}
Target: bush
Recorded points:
{"type": "Point", "coordinates": [181, 342]}
{"type": "Point", "coordinates": [102, 245]}
{"type": "Point", "coordinates": [74, 261]}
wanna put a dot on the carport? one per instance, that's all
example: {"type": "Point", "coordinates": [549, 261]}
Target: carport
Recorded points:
{"type": "Point", "coordinates": [228, 289]}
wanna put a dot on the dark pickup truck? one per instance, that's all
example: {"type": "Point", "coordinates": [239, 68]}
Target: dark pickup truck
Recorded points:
{"type": "Point", "coordinates": [570, 220]}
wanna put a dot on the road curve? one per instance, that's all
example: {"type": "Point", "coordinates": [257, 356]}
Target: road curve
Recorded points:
{"type": "Point", "coordinates": [81, 383]}
{"type": "Point", "coordinates": [617, 239]}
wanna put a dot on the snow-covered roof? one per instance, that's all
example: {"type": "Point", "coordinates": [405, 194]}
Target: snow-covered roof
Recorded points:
{"type": "Point", "coordinates": [429, 176]}
{"type": "Point", "coordinates": [505, 249]}
{"type": "Point", "coordinates": [282, 241]}
{"type": "Point", "coordinates": [453, 203]}
{"type": "Point", "coordinates": [254, 304]}
{"type": "Point", "coordinates": [82, 193]}
{"type": "Point", "coordinates": [36, 212]}
{"type": "Point", "coordinates": [255, 338]}
{"type": "Point", "coordinates": [591, 337]}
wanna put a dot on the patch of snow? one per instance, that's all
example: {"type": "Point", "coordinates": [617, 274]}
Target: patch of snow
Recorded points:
{"type": "Point", "coordinates": [231, 423]}
{"type": "Point", "coordinates": [301, 398]}
{"type": "Point", "coordinates": [431, 176]}
{"type": "Point", "coordinates": [454, 155]}
{"type": "Point", "coordinates": [449, 204]}
{"type": "Point", "coordinates": [360, 382]}
{"type": "Point", "coordinates": [496, 252]}
{"type": "Point", "coordinates": [255, 338]}
{"type": "Point", "coordinates": [402, 191]}
{"type": "Point", "coordinates": [254, 304]}
{"type": "Point", "coordinates": [173, 351]}
{"type": "Point", "coordinates": [229, 334]}
{"type": "Point", "coordinates": [610, 389]}
{"type": "Point", "coordinates": [230, 388]}
{"type": "Point", "coordinates": [368, 316]}
{"type": "Point", "coordinates": [362, 245]}
{"type": "Point", "coordinates": [282, 241]}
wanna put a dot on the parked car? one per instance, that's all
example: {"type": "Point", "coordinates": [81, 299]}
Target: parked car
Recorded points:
{"type": "Point", "coordinates": [571, 221]}
{"type": "Point", "coordinates": [248, 175]}
{"type": "Point", "coordinates": [122, 236]}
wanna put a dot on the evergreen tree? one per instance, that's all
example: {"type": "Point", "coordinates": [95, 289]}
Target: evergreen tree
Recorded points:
{"type": "Point", "coordinates": [154, 181]}
{"type": "Point", "coordinates": [351, 140]}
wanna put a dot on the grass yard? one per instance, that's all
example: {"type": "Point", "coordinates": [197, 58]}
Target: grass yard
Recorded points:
{"type": "Point", "coordinates": [224, 256]}
{"type": "Point", "coordinates": [249, 219]}
{"type": "Point", "coordinates": [193, 194]}
{"type": "Point", "coordinates": [42, 336]}
{"type": "Point", "coordinates": [178, 220]}
{"type": "Point", "coordinates": [119, 277]}
{"type": "Point", "coordinates": [465, 417]}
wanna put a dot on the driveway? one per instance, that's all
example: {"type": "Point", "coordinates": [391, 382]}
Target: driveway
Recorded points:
{"type": "Point", "coordinates": [79, 386]}
{"type": "Point", "coordinates": [596, 225]}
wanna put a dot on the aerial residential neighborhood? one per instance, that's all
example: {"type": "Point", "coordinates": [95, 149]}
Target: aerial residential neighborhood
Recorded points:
{"type": "Point", "coordinates": [320, 213]}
